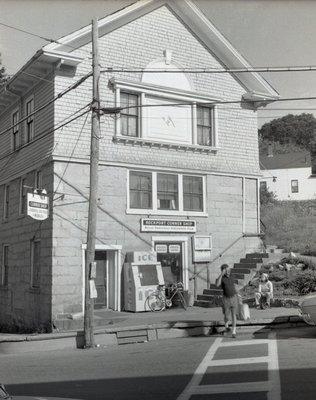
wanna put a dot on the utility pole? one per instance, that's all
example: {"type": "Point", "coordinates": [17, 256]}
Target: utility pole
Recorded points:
{"type": "Point", "coordinates": [93, 191]}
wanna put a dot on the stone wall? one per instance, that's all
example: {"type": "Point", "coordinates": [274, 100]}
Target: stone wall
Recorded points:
{"type": "Point", "coordinates": [115, 227]}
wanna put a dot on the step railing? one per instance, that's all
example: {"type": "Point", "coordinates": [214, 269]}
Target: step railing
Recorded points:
{"type": "Point", "coordinates": [194, 276]}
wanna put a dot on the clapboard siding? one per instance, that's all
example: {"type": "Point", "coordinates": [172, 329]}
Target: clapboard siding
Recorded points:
{"type": "Point", "coordinates": [32, 154]}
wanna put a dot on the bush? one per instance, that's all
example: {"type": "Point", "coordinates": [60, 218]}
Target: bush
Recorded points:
{"type": "Point", "coordinates": [303, 282]}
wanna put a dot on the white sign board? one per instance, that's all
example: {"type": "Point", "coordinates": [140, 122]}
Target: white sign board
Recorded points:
{"type": "Point", "coordinates": [37, 206]}
{"type": "Point", "coordinates": [201, 248]}
{"type": "Point", "coordinates": [167, 225]}
{"type": "Point", "coordinates": [161, 248]}
{"type": "Point", "coordinates": [174, 248]}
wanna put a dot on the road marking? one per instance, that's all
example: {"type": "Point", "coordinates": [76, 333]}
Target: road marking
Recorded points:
{"type": "Point", "coordinates": [274, 374]}
{"type": "Point", "coordinates": [238, 361]}
{"type": "Point", "coordinates": [272, 386]}
{"type": "Point", "coordinates": [242, 387]}
{"type": "Point", "coordinates": [200, 371]}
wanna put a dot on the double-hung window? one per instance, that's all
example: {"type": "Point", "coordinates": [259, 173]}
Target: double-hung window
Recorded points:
{"type": "Point", "coordinates": [5, 265]}
{"type": "Point", "coordinates": [294, 186]}
{"type": "Point", "coordinates": [35, 263]}
{"type": "Point", "coordinates": [192, 193]}
{"type": "Point", "coordinates": [29, 134]}
{"type": "Point", "coordinates": [170, 193]}
{"type": "Point", "coordinates": [6, 202]}
{"type": "Point", "coordinates": [129, 114]}
{"type": "Point", "coordinates": [140, 186]}
{"type": "Point", "coordinates": [15, 130]}
{"type": "Point", "coordinates": [204, 126]}
{"type": "Point", "coordinates": [167, 192]}
{"type": "Point", "coordinates": [22, 203]}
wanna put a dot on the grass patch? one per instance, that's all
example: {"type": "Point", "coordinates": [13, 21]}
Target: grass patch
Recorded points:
{"type": "Point", "coordinates": [291, 225]}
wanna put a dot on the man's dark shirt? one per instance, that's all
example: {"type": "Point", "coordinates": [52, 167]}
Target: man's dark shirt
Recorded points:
{"type": "Point", "coordinates": [228, 286]}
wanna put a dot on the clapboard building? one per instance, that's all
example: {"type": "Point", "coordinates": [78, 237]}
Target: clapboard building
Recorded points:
{"type": "Point", "coordinates": [177, 167]}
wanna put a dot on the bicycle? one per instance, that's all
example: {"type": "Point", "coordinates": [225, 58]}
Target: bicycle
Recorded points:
{"type": "Point", "coordinates": [158, 301]}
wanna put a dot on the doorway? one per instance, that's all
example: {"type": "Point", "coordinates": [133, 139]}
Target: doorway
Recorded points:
{"type": "Point", "coordinates": [101, 280]}
{"type": "Point", "coordinates": [108, 276]}
{"type": "Point", "coordinates": [172, 253]}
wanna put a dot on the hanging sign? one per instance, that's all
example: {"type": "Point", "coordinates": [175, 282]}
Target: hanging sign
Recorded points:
{"type": "Point", "coordinates": [37, 206]}
{"type": "Point", "coordinates": [167, 225]}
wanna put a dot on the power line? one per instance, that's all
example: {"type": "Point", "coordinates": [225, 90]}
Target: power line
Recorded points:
{"type": "Point", "coordinates": [117, 110]}
{"type": "Point", "coordinates": [50, 40]}
{"type": "Point", "coordinates": [46, 132]}
{"type": "Point", "coordinates": [59, 95]}
{"type": "Point", "coordinates": [209, 70]}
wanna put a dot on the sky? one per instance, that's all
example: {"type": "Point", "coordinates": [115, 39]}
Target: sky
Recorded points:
{"type": "Point", "coordinates": [265, 32]}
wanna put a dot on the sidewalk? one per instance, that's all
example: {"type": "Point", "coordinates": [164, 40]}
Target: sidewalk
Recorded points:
{"type": "Point", "coordinates": [124, 327]}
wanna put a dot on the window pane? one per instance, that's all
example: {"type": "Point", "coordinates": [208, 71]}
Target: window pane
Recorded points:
{"type": "Point", "coordinates": [124, 122]}
{"type": "Point", "coordinates": [132, 126]}
{"type": "Point", "coordinates": [167, 192]}
{"type": "Point", "coordinates": [192, 193]}
{"type": "Point", "coordinates": [294, 186]}
{"type": "Point", "coordinates": [140, 190]}
{"type": "Point", "coordinates": [204, 126]}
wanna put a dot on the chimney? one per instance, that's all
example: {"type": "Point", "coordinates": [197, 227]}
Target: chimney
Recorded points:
{"type": "Point", "coordinates": [270, 149]}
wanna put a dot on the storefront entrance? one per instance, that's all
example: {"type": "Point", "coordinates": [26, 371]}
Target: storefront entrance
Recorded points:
{"type": "Point", "coordinates": [172, 254]}
{"type": "Point", "coordinates": [108, 277]}
{"type": "Point", "coordinates": [101, 279]}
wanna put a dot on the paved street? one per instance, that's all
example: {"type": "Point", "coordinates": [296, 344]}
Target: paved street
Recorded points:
{"type": "Point", "coordinates": [263, 366]}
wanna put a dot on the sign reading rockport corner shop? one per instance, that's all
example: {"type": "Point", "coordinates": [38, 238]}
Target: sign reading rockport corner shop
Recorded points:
{"type": "Point", "coordinates": [37, 206]}
{"type": "Point", "coordinates": [167, 225]}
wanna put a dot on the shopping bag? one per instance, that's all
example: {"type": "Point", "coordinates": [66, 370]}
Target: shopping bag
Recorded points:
{"type": "Point", "coordinates": [243, 311]}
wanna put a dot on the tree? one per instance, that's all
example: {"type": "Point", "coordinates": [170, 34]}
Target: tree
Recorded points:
{"type": "Point", "coordinates": [291, 129]}
{"type": "Point", "coordinates": [3, 75]}
{"type": "Point", "coordinates": [266, 197]}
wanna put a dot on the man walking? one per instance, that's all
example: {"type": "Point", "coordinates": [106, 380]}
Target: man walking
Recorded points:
{"type": "Point", "coordinates": [230, 301]}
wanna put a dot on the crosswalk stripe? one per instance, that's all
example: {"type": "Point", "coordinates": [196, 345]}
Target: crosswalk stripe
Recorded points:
{"type": "Point", "coordinates": [231, 388]}
{"type": "Point", "coordinates": [238, 361]}
{"type": "Point", "coordinates": [272, 386]}
{"type": "Point", "coordinates": [244, 342]}
{"type": "Point", "coordinates": [200, 371]}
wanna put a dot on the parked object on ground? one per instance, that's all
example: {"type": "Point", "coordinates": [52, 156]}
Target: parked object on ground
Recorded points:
{"type": "Point", "coordinates": [308, 309]}
{"type": "Point", "coordinates": [159, 301]}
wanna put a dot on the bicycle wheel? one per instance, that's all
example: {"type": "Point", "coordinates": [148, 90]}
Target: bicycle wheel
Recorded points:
{"type": "Point", "coordinates": [155, 302]}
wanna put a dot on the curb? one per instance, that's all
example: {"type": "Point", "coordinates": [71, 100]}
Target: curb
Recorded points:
{"type": "Point", "coordinates": [115, 336]}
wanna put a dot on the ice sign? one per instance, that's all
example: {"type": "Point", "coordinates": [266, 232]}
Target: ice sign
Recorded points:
{"type": "Point", "coordinates": [37, 206]}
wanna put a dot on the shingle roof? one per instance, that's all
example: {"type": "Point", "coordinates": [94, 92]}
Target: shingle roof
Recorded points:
{"type": "Point", "coordinates": [297, 159]}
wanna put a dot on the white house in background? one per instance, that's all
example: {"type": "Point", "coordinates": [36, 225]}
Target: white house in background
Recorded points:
{"type": "Point", "coordinates": [290, 176]}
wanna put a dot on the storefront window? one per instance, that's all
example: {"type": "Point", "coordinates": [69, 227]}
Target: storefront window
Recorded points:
{"type": "Point", "coordinates": [140, 190]}
{"type": "Point", "coordinates": [167, 192]}
{"type": "Point", "coordinates": [192, 193]}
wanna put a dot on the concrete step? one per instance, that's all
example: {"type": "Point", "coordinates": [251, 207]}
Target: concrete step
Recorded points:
{"type": "Point", "coordinates": [208, 304]}
{"type": "Point", "coordinates": [213, 286]}
{"type": "Point", "coordinates": [251, 260]}
{"type": "Point", "coordinates": [241, 270]}
{"type": "Point", "coordinates": [207, 297]}
{"type": "Point", "coordinates": [236, 275]}
{"type": "Point", "coordinates": [244, 265]}
{"type": "Point", "coordinates": [213, 292]}
{"type": "Point", "coordinates": [257, 255]}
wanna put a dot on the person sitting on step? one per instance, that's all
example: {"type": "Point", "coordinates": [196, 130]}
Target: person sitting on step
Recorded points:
{"type": "Point", "coordinates": [265, 292]}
